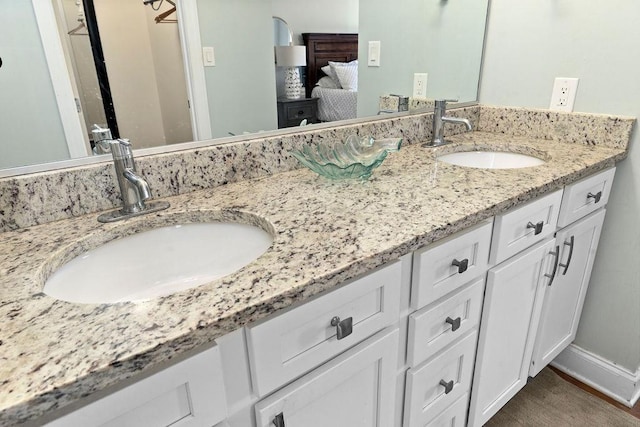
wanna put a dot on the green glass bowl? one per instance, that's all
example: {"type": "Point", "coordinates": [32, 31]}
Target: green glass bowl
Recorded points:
{"type": "Point", "coordinates": [355, 158]}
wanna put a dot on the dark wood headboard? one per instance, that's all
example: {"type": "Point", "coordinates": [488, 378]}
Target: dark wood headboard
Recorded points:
{"type": "Point", "coordinates": [322, 48]}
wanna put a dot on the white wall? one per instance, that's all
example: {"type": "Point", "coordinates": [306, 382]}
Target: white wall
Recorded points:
{"type": "Point", "coordinates": [169, 72]}
{"type": "Point", "coordinates": [445, 42]}
{"type": "Point", "coordinates": [241, 87]}
{"type": "Point", "coordinates": [529, 43]}
{"type": "Point", "coordinates": [328, 16]}
{"type": "Point", "coordinates": [126, 46]}
{"type": "Point", "coordinates": [30, 127]}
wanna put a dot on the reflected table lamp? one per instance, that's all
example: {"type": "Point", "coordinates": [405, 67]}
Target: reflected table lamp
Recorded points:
{"type": "Point", "coordinates": [292, 57]}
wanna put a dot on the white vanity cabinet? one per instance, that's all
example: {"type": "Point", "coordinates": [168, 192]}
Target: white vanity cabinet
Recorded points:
{"type": "Point", "coordinates": [447, 288]}
{"type": "Point", "coordinates": [340, 350]}
{"type": "Point", "coordinates": [189, 393]}
{"type": "Point", "coordinates": [357, 388]}
{"type": "Point", "coordinates": [444, 336]}
{"type": "Point", "coordinates": [296, 341]}
{"type": "Point", "coordinates": [564, 299]}
{"type": "Point", "coordinates": [582, 215]}
{"type": "Point", "coordinates": [513, 302]}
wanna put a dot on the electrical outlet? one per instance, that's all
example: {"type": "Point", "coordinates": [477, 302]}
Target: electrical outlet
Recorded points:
{"type": "Point", "coordinates": [563, 95]}
{"type": "Point", "coordinates": [420, 85]}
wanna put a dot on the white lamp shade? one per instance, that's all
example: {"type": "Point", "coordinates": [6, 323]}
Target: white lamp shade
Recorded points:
{"type": "Point", "coordinates": [291, 56]}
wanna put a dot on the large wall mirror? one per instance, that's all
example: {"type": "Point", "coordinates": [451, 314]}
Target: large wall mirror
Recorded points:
{"type": "Point", "coordinates": [166, 91]}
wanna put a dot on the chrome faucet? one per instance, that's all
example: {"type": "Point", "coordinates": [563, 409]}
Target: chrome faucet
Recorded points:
{"type": "Point", "coordinates": [439, 119]}
{"type": "Point", "coordinates": [134, 190]}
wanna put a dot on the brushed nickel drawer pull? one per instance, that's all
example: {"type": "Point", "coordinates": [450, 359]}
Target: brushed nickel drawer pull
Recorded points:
{"type": "Point", "coordinates": [455, 323]}
{"type": "Point", "coordinates": [462, 265]}
{"type": "Point", "coordinates": [448, 386]}
{"type": "Point", "coordinates": [343, 327]}
{"type": "Point", "coordinates": [596, 197]}
{"type": "Point", "coordinates": [537, 227]}
{"type": "Point", "coordinates": [278, 421]}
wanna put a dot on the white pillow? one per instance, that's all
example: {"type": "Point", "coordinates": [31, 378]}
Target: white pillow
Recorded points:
{"type": "Point", "coordinates": [329, 71]}
{"type": "Point", "coordinates": [328, 83]}
{"type": "Point", "coordinates": [347, 76]}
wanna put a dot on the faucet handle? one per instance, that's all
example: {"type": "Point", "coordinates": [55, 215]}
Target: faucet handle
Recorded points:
{"type": "Point", "coordinates": [441, 104]}
{"type": "Point", "coordinates": [121, 148]}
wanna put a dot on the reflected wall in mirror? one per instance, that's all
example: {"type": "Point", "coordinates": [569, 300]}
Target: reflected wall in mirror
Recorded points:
{"type": "Point", "coordinates": [143, 83]}
{"type": "Point", "coordinates": [441, 38]}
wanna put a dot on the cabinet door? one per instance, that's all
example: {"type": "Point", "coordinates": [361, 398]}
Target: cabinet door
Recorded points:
{"type": "Point", "coordinates": [357, 388]}
{"type": "Point", "coordinates": [564, 299]}
{"type": "Point", "coordinates": [513, 301]}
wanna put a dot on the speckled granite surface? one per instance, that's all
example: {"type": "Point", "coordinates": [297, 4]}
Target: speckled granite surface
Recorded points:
{"type": "Point", "coordinates": [580, 128]}
{"type": "Point", "coordinates": [50, 196]}
{"type": "Point", "coordinates": [53, 353]}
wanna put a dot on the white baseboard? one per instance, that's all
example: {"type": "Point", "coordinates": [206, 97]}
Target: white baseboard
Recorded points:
{"type": "Point", "coordinates": [601, 374]}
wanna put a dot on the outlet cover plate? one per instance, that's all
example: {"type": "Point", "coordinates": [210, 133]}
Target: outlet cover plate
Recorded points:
{"type": "Point", "coordinates": [420, 85]}
{"type": "Point", "coordinates": [563, 95]}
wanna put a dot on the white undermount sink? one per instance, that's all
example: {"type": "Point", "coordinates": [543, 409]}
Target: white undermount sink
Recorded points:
{"type": "Point", "coordinates": [157, 262]}
{"type": "Point", "coordinates": [490, 159]}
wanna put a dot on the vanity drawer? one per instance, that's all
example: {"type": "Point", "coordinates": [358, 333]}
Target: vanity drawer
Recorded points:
{"type": "Point", "coordinates": [190, 393]}
{"type": "Point", "coordinates": [454, 416]}
{"type": "Point", "coordinates": [300, 111]}
{"type": "Point", "coordinates": [291, 344]}
{"type": "Point", "coordinates": [435, 272]}
{"type": "Point", "coordinates": [585, 196]}
{"type": "Point", "coordinates": [435, 385]}
{"type": "Point", "coordinates": [524, 226]}
{"type": "Point", "coordinates": [433, 328]}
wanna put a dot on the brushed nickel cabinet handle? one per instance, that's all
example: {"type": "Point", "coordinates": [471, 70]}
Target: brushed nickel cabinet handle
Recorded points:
{"type": "Point", "coordinates": [455, 323]}
{"type": "Point", "coordinates": [278, 421]}
{"type": "Point", "coordinates": [462, 265]}
{"type": "Point", "coordinates": [343, 327]}
{"type": "Point", "coordinates": [537, 227]}
{"type": "Point", "coordinates": [596, 197]}
{"type": "Point", "coordinates": [556, 255]}
{"type": "Point", "coordinates": [448, 386]}
{"type": "Point", "coordinates": [570, 244]}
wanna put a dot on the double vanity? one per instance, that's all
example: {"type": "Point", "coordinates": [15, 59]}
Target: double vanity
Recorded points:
{"type": "Point", "coordinates": [420, 297]}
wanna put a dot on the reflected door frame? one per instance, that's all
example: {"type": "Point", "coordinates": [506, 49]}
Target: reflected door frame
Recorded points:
{"type": "Point", "coordinates": [71, 118]}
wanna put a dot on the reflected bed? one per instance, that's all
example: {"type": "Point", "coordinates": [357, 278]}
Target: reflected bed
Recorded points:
{"type": "Point", "coordinates": [332, 74]}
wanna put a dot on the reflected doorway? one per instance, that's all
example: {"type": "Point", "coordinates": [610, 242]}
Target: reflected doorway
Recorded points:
{"type": "Point", "coordinates": [140, 92]}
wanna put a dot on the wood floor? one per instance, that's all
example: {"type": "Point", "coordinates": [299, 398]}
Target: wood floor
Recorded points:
{"type": "Point", "coordinates": [635, 411]}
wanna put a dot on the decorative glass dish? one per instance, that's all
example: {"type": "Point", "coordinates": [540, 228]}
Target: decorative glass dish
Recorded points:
{"type": "Point", "coordinates": [355, 158]}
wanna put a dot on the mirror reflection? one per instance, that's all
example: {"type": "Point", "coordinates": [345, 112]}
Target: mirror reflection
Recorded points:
{"type": "Point", "coordinates": [208, 68]}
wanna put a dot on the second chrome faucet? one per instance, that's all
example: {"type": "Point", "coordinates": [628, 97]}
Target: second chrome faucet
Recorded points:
{"type": "Point", "coordinates": [439, 119]}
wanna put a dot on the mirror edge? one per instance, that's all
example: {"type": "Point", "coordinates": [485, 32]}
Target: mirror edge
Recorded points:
{"type": "Point", "coordinates": [185, 146]}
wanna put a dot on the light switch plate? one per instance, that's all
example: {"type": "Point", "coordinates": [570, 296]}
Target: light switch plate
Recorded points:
{"type": "Point", "coordinates": [208, 56]}
{"type": "Point", "coordinates": [373, 59]}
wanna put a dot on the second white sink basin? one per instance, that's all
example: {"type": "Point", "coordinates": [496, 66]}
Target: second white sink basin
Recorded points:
{"type": "Point", "coordinates": [157, 262]}
{"type": "Point", "coordinates": [490, 160]}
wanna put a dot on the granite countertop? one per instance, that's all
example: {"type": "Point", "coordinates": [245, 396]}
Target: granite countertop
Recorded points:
{"type": "Point", "coordinates": [53, 353]}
